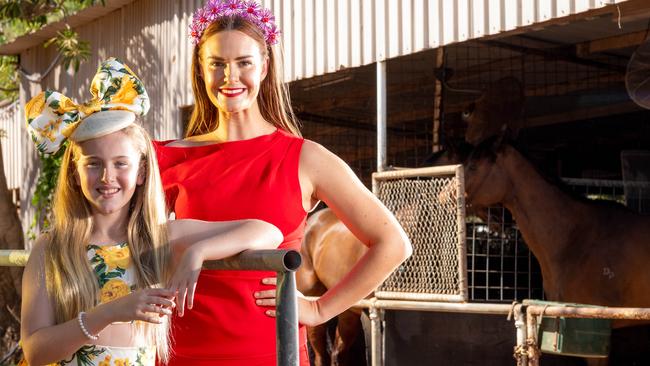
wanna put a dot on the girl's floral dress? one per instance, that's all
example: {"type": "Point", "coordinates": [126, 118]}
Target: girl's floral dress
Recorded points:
{"type": "Point", "coordinates": [113, 267]}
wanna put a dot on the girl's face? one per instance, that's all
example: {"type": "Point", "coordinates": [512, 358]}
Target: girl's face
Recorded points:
{"type": "Point", "coordinates": [232, 67]}
{"type": "Point", "coordinates": [108, 171]}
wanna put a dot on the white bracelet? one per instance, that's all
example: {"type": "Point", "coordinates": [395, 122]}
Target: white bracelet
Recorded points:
{"type": "Point", "coordinates": [83, 327]}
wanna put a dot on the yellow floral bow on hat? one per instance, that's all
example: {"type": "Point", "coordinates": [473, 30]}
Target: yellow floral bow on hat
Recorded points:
{"type": "Point", "coordinates": [52, 117]}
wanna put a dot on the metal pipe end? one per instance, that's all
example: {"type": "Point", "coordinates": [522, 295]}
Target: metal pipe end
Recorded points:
{"type": "Point", "coordinates": [291, 260]}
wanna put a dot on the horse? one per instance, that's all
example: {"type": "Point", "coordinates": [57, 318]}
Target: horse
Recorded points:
{"type": "Point", "coordinates": [497, 111]}
{"type": "Point", "coordinates": [329, 251]}
{"type": "Point", "coordinates": [590, 252]}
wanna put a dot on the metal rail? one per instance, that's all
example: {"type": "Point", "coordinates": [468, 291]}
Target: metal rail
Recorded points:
{"type": "Point", "coordinates": [283, 262]}
{"type": "Point", "coordinates": [376, 309]}
{"type": "Point", "coordinates": [527, 352]}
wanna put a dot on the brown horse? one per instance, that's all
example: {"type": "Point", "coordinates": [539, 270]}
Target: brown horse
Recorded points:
{"type": "Point", "coordinates": [589, 252]}
{"type": "Point", "coordinates": [498, 111]}
{"type": "Point", "coordinates": [329, 251]}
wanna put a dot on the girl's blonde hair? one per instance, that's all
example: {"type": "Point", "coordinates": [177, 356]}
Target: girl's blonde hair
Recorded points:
{"type": "Point", "coordinates": [273, 97]}
{"type": "Point", "coordinates": [71, 282]}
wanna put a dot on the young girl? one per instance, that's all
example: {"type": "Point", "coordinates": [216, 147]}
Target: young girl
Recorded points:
{"type": "Point", "coordinates": [92, 290]}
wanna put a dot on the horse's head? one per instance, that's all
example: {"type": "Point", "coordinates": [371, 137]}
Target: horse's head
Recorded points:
{"type": "Point", "coordinates": [496, 112]}
{"type": "Point", "coordinates": [486, 181]}
{"type": "Point", "coordinates": [477, 165]}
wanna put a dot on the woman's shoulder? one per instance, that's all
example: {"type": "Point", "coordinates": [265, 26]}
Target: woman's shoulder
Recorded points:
{"type": "Point", "coordinates": [313, 151]}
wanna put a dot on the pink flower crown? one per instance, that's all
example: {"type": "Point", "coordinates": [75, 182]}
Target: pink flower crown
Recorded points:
{"type": "Point", "coordinates": [249, 10]}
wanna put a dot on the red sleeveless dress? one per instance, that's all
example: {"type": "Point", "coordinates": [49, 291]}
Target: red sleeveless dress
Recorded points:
{"type": "Point", "coordinates": [248, 179]}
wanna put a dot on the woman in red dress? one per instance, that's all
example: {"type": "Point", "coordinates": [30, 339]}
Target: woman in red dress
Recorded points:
{"type": "Point", "coordinates": [243, 157]}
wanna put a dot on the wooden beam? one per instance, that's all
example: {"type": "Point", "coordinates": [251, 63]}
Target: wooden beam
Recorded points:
{"type": "Point", "coordinates": [359, 124]}
{"type": "Point", "coordinates": [437, 103]}
{"type": "Point", "coordinates": [580, 114]}
{"type": "Point", "coordinates": [611, 43]}
{"type": "Point", "coordinates": [361, 96]}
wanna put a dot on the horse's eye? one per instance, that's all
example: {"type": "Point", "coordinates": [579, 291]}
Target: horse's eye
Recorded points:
{"type": "Point", "coordinates": [468, 111]}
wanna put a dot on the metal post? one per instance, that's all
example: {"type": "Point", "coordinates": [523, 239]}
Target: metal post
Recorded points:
{"type": "Point", "coordinates": [287, 320]}
{"type": "Point", "coordinates": [376, 343]}
{"type": "Point", "coordinates": [531, 342]}
{"type": "Point", "coordinates": [521, 350]}
{"type": "Point", "coordinates": [382, 116]}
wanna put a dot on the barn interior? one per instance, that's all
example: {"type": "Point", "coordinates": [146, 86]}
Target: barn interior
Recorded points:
{"type": "Point", "coordinates": [577, 113]}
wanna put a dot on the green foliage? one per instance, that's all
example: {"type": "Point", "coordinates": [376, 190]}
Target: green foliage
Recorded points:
{"type": "Point", "coordinates": [8, 78]}
{"type": "Point", "coordinates": [73, 50]}
{"type": "Point", "coordinates": [42, 199]}
{"type": "Point", "coordinates": [18, 17]}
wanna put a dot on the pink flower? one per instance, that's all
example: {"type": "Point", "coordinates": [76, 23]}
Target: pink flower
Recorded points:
{"type": "Point", "coordinates": [266, 17]}
{"type": "Point", "coordinates": [252, 8]}
{"type": "Point", "coordinates": [214, 9]}
{"type": "Point", "coordinates": [233, 7]}
{"type": "Point", "coordinates": [272, 35]}
{"type": "Point", "coordinates": [200, 17]}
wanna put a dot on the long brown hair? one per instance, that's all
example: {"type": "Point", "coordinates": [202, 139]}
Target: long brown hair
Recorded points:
{"type": "Point", "coordinates": [273, 97]}
{"type": "Point", "coordinates": [71, 283]}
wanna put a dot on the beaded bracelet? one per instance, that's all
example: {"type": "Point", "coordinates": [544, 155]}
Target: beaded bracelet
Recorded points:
{"type": "Point", "coordinates": [83, 327]}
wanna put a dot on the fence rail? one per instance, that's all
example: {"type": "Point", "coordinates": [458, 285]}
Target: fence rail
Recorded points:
{"type": "Point", "coordinates": [527, 352]}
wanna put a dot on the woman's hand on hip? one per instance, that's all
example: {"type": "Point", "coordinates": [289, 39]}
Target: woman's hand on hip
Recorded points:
{"type": "Point", "coordinates": [308, 310]}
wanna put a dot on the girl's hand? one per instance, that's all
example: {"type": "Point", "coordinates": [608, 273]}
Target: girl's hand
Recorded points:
{"type": "Point", "coordinates": [147, 305]}
{"type": "Point", "coordinates": [308, 310]}
{"type": "Point", "coordinates": [183, 282]}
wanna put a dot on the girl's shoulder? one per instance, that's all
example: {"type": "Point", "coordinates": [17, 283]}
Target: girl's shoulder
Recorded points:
{"type": "Point", "coordinates": [35, 266]}
{"type": "Point", "coordinates": [41, 244]}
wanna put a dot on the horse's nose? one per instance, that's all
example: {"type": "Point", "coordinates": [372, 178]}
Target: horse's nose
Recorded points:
{"type": "Point", "coordinates": [448, 194]}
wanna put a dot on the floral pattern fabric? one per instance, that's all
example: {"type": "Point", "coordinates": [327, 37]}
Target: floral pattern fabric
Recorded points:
{"type": "Point", "coordinates": [113, 267]}
{"type": "Point", "coordinates": [111, 264]}
{"type": "Point", "coordinates": [52, 117]}
{"type": "Point", "coordinates": [93, 355]}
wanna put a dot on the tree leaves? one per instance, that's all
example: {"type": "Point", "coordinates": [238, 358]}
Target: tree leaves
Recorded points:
{"type": "Point", "coordinates": [18, 17]}
{"type": "Point", "coordinates": [73, 50]}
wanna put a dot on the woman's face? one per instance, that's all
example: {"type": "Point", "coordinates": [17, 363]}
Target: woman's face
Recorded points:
{"type": "Point", "coordinates": [233, 67]}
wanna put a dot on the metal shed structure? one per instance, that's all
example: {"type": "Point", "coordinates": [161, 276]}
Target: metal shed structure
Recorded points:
{"type": "Point", "coordinates": [319, 38]}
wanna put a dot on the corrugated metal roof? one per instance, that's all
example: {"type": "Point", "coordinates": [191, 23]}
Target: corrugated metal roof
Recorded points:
{"type": "Point", "coordinates": [320, 37]}
{"type": "Point", "coordinates": [82, 17]}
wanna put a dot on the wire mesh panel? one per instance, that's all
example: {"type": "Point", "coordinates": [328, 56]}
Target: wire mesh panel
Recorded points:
{"type": "Point", "coordinates": [428, 205]}
{"type": "Point", "coordinates": [500, 267]}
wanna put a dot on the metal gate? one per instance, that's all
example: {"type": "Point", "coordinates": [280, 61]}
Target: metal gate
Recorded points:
{"type": "Point", "coordinates": [428, 205]}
